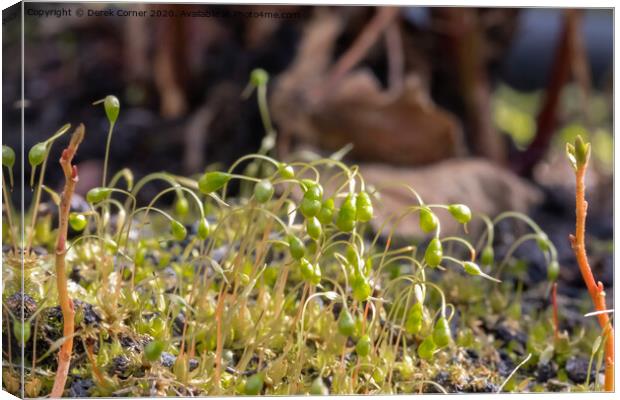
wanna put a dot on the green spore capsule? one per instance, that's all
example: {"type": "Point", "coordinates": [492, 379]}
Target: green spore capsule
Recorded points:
{"type": "Point", "coordinates": [97, 195]}
{"type": "Point", "coordinates": [346, 324]}
{"type": "Point", "coordinates": [345, 220]}
{"type": "Point", "coordinates": [307, 270]}
{"type": "Point", "coordinates": [318, 387]}
{"type": "Point", "coordinates": [433, 253]}
{"type": "Point", "coordinates": [471, 268]}
{"type": "Point", "coordinates": [212, 181]}
{"type": "Point", "coordinates": [203, 229]}
{"type": "Point", "coordinates": [259, 77]}
{"type": "Point", "coordinates": [460, 212]}
{"type": "Point", "coordinates": [360, 287]}
{"type": "Point", "coordinates": [415, 317]}
{"type": "Point", "coordinates": [351, 256]}
{"type": "Point", "coordinates": [19, 328]}
{"type": "Point", "coordinates": [254, 385]}
{"type": "Point", "coordinates": [428, 220]}
{"type": "Point", "coordinates": [488, 256]}
{"type": "Point", "coordinates": [77, 221]}
{"type": "Point", "coordinates": [296, 247]}
{"type": "Point", "coordinates": [553, 270]}
{"type": "Point", "coordinates": [140, 256]}
{"type": "Point", "coordinates": [326, 215]}
{"type": "Point", "coordinates": [313, 228]}
{"type": "Point", "coordinates": [263, 191]}
{"type": "Point", "coordinates": [427, 348]}
{"type": "Point", "coordinates": [316, 277]}
{"type": "Point", "coordinates": [179, 232]}
{"type": "Point", "coordinates": [363, 346]}
{"type": "Point", "coordinates": [111, 245]}
{"type": "Point", "coordinates": [181, 206]}
{"type": "Point", "coordinates": [286, 171]}
{"type": "Point", "coordinates": [364, 209]}
{"type": "Point", "coordinates": [112, 107]}
{"type": "Point", "coordinates": [8, 156]}
{"type": "Point", "coordinates": [36, 155]}
{"type": "Point", "coordinates": [153, 350]}
{"type": "Point", "coordinates": [543, 242]}
{"type": "Point", "coordinates": [310, 206]}
{"type": "Point", "coordinates": [441, 332]}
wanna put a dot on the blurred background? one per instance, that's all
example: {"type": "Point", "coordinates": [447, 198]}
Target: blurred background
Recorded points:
{"type": "Point", "coordinates": [468, 105]}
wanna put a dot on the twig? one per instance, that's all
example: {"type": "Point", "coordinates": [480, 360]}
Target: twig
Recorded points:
{"type": "Point", "coordinates": [369, 36]}
{"type": "Point", "coordinates": [580, 154]}
{"type": "Point", "coordinates": [547, 117]}
{"type": "Point", "coordinates": [467, 43]}
{"type": "Point", "coordinates": [68, 313]}
{"type": "Point", "coordinates": [396, 63]}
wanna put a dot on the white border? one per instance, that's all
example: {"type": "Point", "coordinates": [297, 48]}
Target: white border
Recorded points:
{"type": "Point", "coordinates": [479, 3]}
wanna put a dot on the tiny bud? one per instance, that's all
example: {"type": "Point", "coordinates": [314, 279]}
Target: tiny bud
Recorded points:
{"type": "Point", "coordinates": [582, 151]}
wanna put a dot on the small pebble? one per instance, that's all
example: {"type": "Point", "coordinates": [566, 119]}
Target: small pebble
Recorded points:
{"type": "Point", "coordinates": [577, 369]}
{"type": "Point", "coordinates": [81, 387]}
{"type": "Point", "coordinates": [546, 371]}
